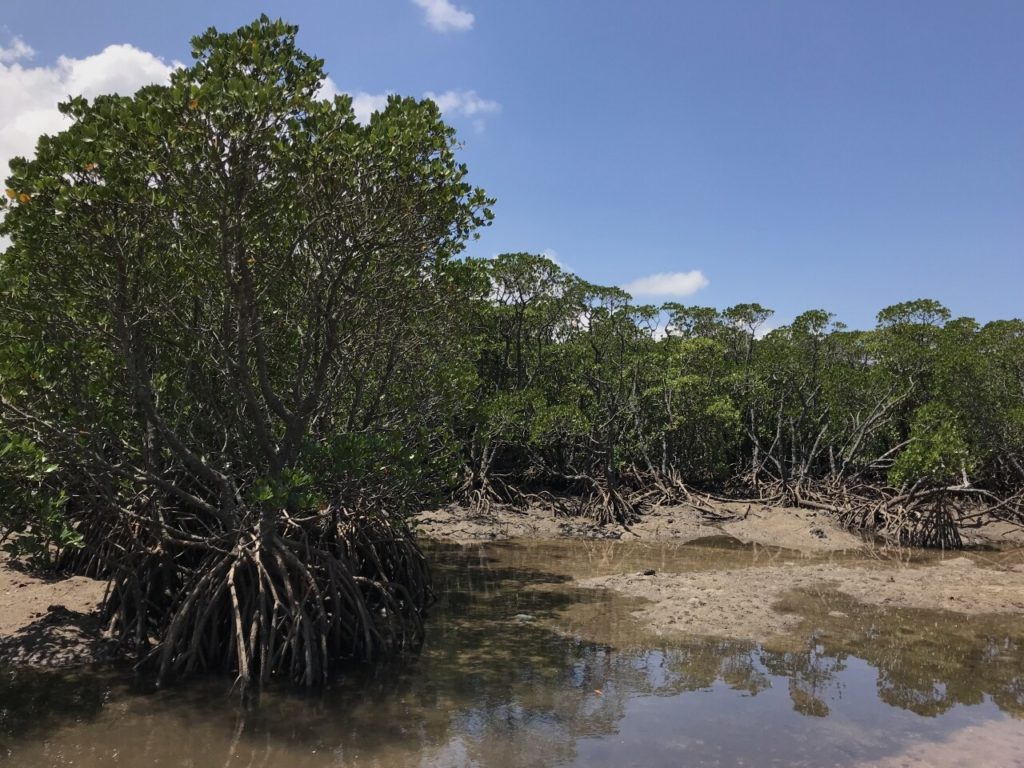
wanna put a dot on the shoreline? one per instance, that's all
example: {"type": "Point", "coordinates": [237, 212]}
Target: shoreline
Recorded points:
{"type": "Point", "coordinates": [53, 621]}
{"type": "Point", "coordinates": [812, 571]}
{"type": "Point", "coordinates": [807, 530]}
{"type": "Point", "coordinates": [781, 604]}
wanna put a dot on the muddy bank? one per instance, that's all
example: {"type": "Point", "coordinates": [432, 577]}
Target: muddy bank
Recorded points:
{"type": "Point", "coordinates": [51, 621]}
{"type": "Point", "coordinates": [806, 530]}
{"type": "Point", "coordinates": [798, 555]}
{"type": "Point", "coordinates": [762, 603]}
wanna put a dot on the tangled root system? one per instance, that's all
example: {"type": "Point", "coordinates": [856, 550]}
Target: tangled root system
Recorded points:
{"type": "Point", "coordinates": [294, 601]}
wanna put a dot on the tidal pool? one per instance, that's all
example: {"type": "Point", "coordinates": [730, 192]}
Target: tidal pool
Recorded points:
{"type": "Point", "coordinates": [522, 668]}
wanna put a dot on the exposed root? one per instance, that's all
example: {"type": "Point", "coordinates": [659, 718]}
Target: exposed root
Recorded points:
{"type": "Point", "coordinates": [481, 493]}
{"type": "Point", "coordinates": [104, 540]}
{"type": "Point", "coordinates": [605, 504]}
{"type": "Point", "coordinates": [755, 489]}
{"type": "Point", "coordinates": [668, 489]}
{"type": "Point", "coordinates": [933, 522]}
{"type": "Point", "coordinates": [294, 602]}
{"type": "Point", "coordinates": [919, 517]}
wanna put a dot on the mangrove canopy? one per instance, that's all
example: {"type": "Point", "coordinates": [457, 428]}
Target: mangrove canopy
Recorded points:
{"type": "Point", "coordinates": [227, 314]}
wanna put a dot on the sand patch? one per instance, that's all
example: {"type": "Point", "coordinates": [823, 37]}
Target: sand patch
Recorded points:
{"type": "Point", "coordinates": [805, 530]}
{"type": "Point", "coordinates": [50, 621]}
{"type": "Point", "coordinates": [743, 603]}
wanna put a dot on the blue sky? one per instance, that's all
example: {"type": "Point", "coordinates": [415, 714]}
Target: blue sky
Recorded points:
{"type": "Point", "coordinates": [842, 155]}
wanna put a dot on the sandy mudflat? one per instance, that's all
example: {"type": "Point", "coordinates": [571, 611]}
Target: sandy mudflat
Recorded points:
{"type": "Point", "coordinates": [802, 529]}
{"type": "Point", "coordinates": [49, 622]}
{"type": "Point", "coordinates": [745, 598]}
{"type": "Point", "coordinates": [744, 603]}
{"type": "Point", "coordinates": [805, 530]}
{"type": "Point", "coordinates": [53, 622]}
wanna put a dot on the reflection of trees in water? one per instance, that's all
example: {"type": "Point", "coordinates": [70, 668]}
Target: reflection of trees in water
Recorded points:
{"type": "Point", "coordinates": [34, 702]}
{"type": "Point", "coordinates": [498, 685]}
{"type": "Point", "coordinates": [518, 693]}
{"type": "Point", "coordinates": [927, 661]}
{"type": "Point", "coordinates": [948, 661]}
{"type": "Point", "coordinates": [742, 670]}
{"type": "Point", "coordinates": [813, 676]}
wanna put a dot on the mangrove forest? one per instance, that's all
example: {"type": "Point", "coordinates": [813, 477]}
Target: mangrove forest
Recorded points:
{"type": "Point", "coordinates": [242, 342]}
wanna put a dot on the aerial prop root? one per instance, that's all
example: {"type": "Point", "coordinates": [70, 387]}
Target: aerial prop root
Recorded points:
{"type": "Point", "coordinates": [481, 492]}
{"type": "Point", "coordinates": [606, 504]}
{"type": "Point", "coordinates": [925, 516]}
{"type": "Point", "coordinates": [281, 605]}
{"type": "Point", "coordinates": [667, 488]}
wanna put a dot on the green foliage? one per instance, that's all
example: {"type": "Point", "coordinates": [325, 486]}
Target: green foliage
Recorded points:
{"type": "Point", "coordinates": [574, 380]}
{"type": "Point", "coordinates": [919, 312]}
{"type": "Point", "coordinates": [208, 276]}
{"type": "Point", "coordinates": [32, 503]}
{"type": "Point", "coordinates": [231, 353]}
{"type": "Point", "coordinates": [938, 452]}
{"type": "Point", "coordinates": [226, 301]}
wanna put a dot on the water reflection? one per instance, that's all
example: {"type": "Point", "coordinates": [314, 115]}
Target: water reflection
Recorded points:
{"type": "Point", "coordinates": [523, 669]}
{"type": "Point", "coordinates": [927, 661]}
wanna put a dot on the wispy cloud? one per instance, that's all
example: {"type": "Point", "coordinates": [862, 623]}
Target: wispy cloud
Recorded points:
{"type": "Point", "coordinates": [17, 50]}
{"type": "Point", "coordinates": [552, 255]}
{"type": "Point", "coordinates": [668, 284]}
{"type": "Point", "coordinates": [466, 104]}
{"type": "Point", "coordinates": [30, 94]}
{"type": "Point", "coordinates": [443, 16]}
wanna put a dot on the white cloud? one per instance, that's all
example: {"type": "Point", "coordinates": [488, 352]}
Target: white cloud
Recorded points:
{"type": "Point", "coordinates": [668, 284]}
{"type": "Point", "coordinates": [443, 16]}
{"type": "Point", "coordinates": [328, 90]}
{"type": "Point", "coordinates": [451, 103]}
{"type": "Point", "coordinates": [30, 94]}
{"type": "Point", "coordinates": [464, 103]}
{"type": "Point", "coordinates": [552, 254]}
{"type": "Point", "coordinates": [365, 104]}
{"type": "Point", "coordinates": [16, 51]}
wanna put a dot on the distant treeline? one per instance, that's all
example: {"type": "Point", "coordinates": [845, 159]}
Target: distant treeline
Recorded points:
{"type": "Point", "coordinates": [576, 388]}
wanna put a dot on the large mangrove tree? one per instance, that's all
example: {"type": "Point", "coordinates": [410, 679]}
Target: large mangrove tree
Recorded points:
{"type": "Point", "coordinates": [227, 316]}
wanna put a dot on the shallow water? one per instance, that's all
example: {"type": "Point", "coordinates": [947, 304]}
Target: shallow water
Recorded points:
{"type": "Point", "coordinates": [523, 669]}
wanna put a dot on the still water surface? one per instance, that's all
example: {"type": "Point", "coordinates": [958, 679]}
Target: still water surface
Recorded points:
{"type": "Point", "coordinates": [521, 668]}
